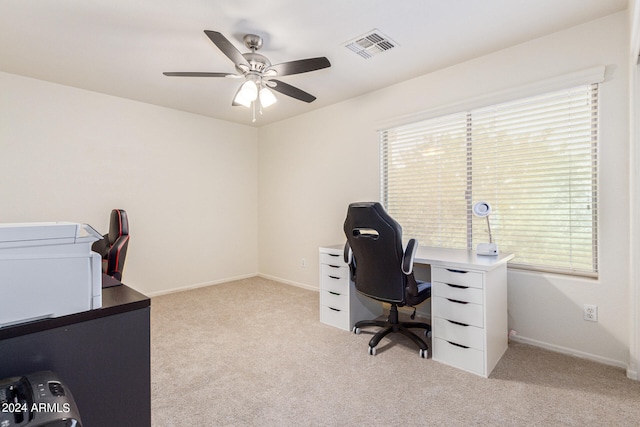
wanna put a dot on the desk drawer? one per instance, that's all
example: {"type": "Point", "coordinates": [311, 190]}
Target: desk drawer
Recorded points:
{"type": "Point", "coordinates": [335, 317]}
{"type": "Point", "coordinates": [335, 279]}
{"type": "Point", "coordinates": [334, 299]}
{"type": "Point", "coordinates": [333, 259]}
{"type": "Point", "coordinates": [473, 279]}
{"type": "Point", "coordinates": [457, 292]}
{"type": "Point", "coordinates": [469, 336]}
{"type": "Point", "coordinates": [467, 313]}
{"type": "Point", "coordinates": [468, 359]}
{"type": "Point", "coordinates": [333, 271]}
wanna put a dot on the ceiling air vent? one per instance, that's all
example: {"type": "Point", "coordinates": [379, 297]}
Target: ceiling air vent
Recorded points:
{"type": "Point", "coordinates": [370, 44]}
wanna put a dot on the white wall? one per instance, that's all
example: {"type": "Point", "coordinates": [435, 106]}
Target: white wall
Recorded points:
{"type": "Point", "coordinates": [187, 182]}
{"type": "Point", "coordinates": [312, 166]}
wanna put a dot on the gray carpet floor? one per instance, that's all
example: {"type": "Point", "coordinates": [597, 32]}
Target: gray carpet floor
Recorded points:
{"type": "Point", "coordinates": [253, 353]}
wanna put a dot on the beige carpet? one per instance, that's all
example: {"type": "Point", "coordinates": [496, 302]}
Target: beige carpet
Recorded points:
{"type": "Point", "coordinates": [253, 353]}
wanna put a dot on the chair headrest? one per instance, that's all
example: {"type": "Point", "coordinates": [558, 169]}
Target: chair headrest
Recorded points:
{"type": "Point", "coordinates": [368, 219]}
{"type": "Point", "coordinates": [375, 239]}
{"type": "Point", "coordinates": [118, 224]}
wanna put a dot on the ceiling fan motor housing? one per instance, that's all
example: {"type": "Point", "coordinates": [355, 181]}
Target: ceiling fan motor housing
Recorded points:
{"type": "Point", "coordinates": [252, 41]}
{"type": "Point", "coordinates": [257, 62]}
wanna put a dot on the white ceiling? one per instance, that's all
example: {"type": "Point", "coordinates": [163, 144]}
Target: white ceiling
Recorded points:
{"type": "Point", "coordinates": [121, 47]}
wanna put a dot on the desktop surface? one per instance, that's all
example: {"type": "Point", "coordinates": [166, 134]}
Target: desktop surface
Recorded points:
{"type": "Point", "coordinates": [453, 258]}
{"type": "Point", "coordinates": [459, 258]}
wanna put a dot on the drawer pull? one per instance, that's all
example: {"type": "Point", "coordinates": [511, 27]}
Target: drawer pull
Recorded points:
{"type": "Point", "coordinates": [457, 301]}
{"type": "Point", "coordinates": [334, 309]}
{"type": "Point", "coordinates": [334, 293]}
{"type": "Point", "coordinates": [457, 286]}
{"type": "Point", "coordinates": [333, 266]}
{"type": "Point", "coordinates": [335, 255]}
{"type": "Point", "coordinates": [457, 345]}
{"type": "Point", "coordinates": [457, 271]}
{"type": "Point", "coordinates": [457, 323]}
{"type": "Point", "coordinates": [335, 277]}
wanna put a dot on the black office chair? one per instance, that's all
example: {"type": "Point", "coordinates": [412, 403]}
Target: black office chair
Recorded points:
{"type": "Point", "coordinates": [113, 246]}
{"type": "Point", "coordinates": [382, 270]}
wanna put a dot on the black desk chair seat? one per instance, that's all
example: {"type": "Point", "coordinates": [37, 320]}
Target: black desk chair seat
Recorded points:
{"type": "Point", "coordinates": [381, 269]}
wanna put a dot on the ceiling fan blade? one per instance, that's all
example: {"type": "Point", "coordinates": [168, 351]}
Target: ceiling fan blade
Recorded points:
{"type": "Point", "coordinates": [198, 74]}
{"type": "Point", "coordinates": [292, 91]}
{"type": "Point", "coordinates": [226, 47]}
{"type": "Point", "coordinates": [301, 66]}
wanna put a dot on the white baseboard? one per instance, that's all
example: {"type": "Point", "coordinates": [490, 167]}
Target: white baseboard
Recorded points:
{"type": "Point", "coordinates": [199, 285]}
{"type": "Point", "coordinates": [289, 282]}
{"type": "Point", "coordinates": [570, 351]}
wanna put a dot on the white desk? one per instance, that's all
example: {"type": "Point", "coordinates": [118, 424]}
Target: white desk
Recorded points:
{"type": "Point", "coordinates": [468, 304]}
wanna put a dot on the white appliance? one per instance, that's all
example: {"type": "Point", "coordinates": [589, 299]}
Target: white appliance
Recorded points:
{"type": "Point", "coordinates": [47, 269]}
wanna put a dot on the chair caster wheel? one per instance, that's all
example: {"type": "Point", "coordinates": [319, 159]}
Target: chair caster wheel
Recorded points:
{"type": "Point", "coordinates": [356, 330]}
{"type": "Point", "coordinates": [372, 351]}
{"type": "Point", "coordinates": [427, 333]}
{"type": "Point", "coordinates": [423, 353]}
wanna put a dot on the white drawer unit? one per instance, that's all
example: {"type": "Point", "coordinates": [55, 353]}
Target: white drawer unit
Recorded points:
{"type": "Point", "coordinates": [459, 333]}
{"type": "Point", "coordinates": [468, 303]}
{"type": "Point", "coordinates": [469, 310]}
{"type": "Point", "coordinates": [457, 311]}
{"type": "Point", "coordinates": [459, 356]}
{"type": "Point", "coordinates": [462, 278]}
{"type": "Point", "coordinates": [335, 278]}
{"type": "Point", "coordinates": [340, 304]}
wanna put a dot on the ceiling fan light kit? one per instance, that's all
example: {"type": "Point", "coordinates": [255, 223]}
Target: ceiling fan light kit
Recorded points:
{"type": "Point", "coordinates": [267, 98]}
{"type": "Point", "coordinates": [259, 73]}
{"type": "Point", "coordinates": [247, 94]}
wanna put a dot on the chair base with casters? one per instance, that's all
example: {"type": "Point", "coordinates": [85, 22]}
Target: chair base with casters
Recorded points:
{"type": "Point", "coordinates": [393, 325]}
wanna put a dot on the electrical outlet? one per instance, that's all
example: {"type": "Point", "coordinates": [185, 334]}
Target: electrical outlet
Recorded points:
{"type": "Point", "coordinates": [303, 263]}
{"type": "Point", "coordinates": [590, 312]}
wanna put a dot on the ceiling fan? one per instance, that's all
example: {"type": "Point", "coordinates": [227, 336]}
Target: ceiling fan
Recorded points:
{"type": "Point", "coordinates": [259, 72]}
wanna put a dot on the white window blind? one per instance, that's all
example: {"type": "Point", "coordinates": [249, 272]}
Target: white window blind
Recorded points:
{"type": "Point", "coordinates": [534, 160]}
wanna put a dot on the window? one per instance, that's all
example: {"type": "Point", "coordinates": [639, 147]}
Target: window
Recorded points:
{"type": "Point", "coordinates": [534, 160]}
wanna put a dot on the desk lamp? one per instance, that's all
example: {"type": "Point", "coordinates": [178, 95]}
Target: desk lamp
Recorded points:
{"type": "Point", "coordinates": [483, 209]}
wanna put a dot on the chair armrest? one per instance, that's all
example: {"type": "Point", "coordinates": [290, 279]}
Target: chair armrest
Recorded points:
{"type": "Point", "coordinates": [101, 247]}
{"type": "Point", "coordinates": [116, 257]}
{"type": "Point", "coordinates": [409, 255]}
{"type": "Point", "coordinates": [348, 255]}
